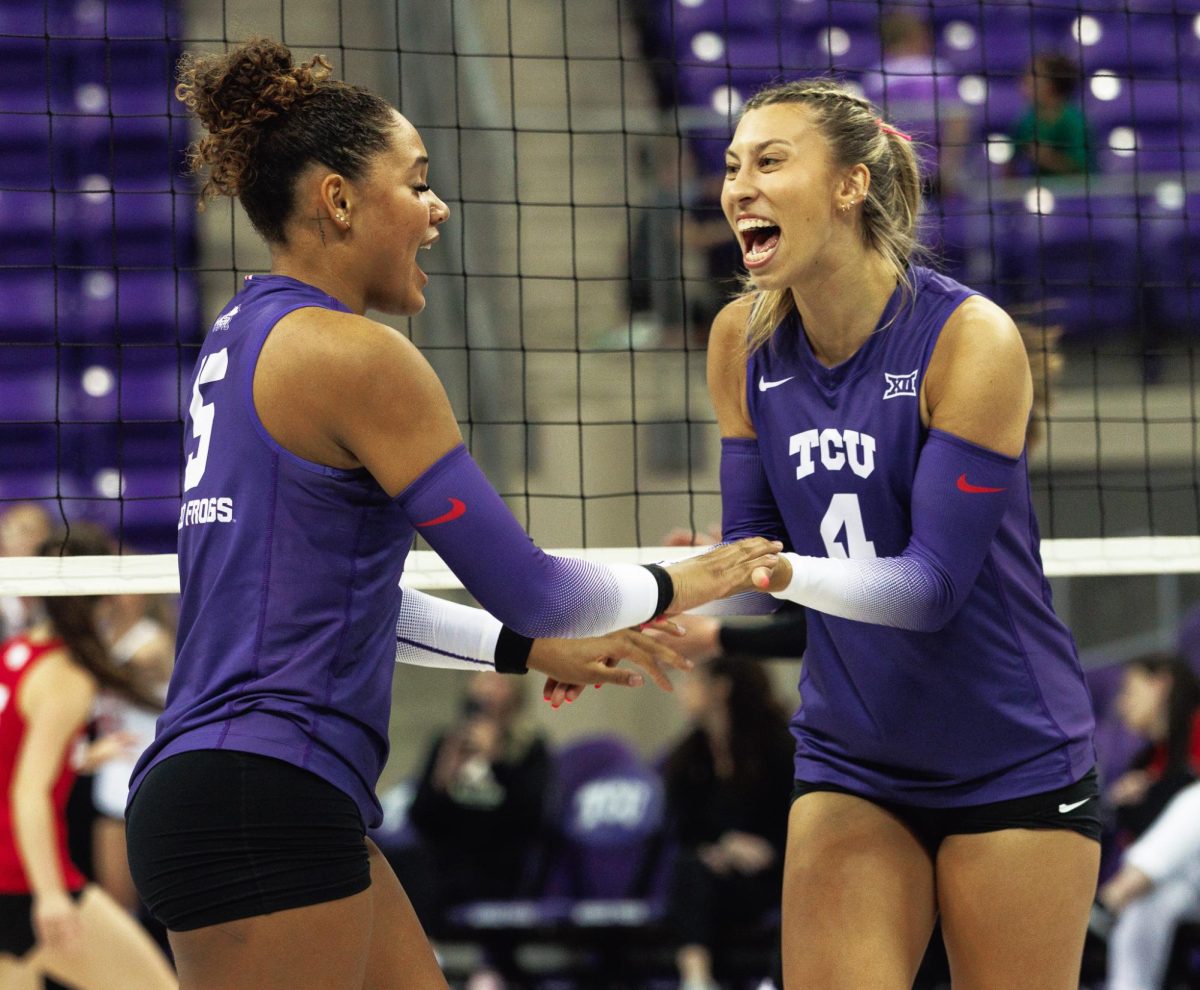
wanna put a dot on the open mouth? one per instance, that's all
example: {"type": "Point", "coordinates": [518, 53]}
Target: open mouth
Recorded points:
{"type": "Point", "coordinates": [760, 238]}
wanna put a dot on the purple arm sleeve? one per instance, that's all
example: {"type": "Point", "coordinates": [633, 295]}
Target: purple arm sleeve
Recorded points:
{"type": "Point", "coordinates": [959, 495]}
{"type": "Point", "coordinates": [455, 508]}
{"type": "Point", "coordinates": [747, 503]}
{"type": "Point", "coordinates": [747, 509]}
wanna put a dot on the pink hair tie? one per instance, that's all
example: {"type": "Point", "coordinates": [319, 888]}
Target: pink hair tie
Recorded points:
{"type": "Point", "coordinates": [888, 129]}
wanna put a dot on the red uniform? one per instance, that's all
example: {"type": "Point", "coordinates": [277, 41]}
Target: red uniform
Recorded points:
{"type": "Point", "coordinates": [18, 656]}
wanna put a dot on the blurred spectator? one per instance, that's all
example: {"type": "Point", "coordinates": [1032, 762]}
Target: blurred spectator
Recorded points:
{"type": "Point", "coordinates": [728, 785]}
{"type": "Point", "coordinates": [1187, 641]}
{"type": "Point", "coordinates": [1157, 888]}
{"type": "Point", "coordinates": [138, 632]}
{"type": "Point", "coordinates": [23, 527]}
{"type": "Point", "coordinates": [1051, 137]}
{"type": "Point", "coordinates": [478, 811]}
{"type": "Point", "coordinates": [919, 93]}
{"type": "Point", "coordinates": [1159, 700]}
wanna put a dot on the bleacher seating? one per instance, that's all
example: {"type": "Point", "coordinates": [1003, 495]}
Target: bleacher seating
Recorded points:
{"type": "Point", "coordinates": [97, 256]}
{"type": "Point", "coordinates": [1080, 249]}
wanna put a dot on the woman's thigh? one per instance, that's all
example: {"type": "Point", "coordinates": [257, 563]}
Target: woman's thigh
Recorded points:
{"type": "Point", "coordinates": [317, 947]}
{"type": "Point", "coordinates": [400, 957]}
{"type": "Point", "coordinates": [858, 896]}
{"type": "Point", "coordinates": [1015, 906]}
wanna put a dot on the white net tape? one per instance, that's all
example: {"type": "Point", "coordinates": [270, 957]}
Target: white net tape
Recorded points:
{"type": "Point", "coordinates": [158, 574]}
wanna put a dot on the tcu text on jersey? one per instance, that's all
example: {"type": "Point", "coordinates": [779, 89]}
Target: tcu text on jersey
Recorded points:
{"type": "Point", "coordinates": [836, 450]}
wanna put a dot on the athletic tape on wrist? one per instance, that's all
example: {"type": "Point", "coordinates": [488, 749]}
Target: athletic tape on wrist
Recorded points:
{"type": "Point", "coordinates": [512, 652]}
{"type": "Point", "coordinates": [666, 588]}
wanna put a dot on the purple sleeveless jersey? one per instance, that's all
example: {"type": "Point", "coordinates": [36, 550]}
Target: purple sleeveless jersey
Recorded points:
{"type": "Point", "coordinates": [990, 707]}
{"type": "Point", "coordinates": [289, 574]}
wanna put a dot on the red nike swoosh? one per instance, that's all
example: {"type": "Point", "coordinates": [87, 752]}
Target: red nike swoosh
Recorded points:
{"type": "Point", "coordinates": [457, 508]}
{"type": "Point", "coordinates": [966, 486]}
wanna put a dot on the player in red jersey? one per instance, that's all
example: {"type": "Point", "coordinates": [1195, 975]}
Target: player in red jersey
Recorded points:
{"type": "Point", "coordinates": [52, 921]}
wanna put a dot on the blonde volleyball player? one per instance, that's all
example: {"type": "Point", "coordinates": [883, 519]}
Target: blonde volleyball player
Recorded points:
{"type": "Point", "coordinates": [873, 416]}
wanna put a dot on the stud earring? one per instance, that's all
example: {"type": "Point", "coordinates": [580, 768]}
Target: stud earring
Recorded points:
{"type": "Point", "coordinates": [342, 218]}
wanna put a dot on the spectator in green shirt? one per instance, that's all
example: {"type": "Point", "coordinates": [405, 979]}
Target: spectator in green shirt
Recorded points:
{"type": "Point", "coordinates": [1051, 137]}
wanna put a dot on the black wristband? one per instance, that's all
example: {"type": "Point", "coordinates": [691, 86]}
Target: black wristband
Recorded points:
{"type": "Point", "coordinates": [666, 588]}
{"type": "Point", "coordinates": [512, 652]}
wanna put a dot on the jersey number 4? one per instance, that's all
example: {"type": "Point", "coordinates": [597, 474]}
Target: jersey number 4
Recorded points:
{"type": "Point", "coordinates": [212, 369]}
{"type": "Point", "coordinates": [844, 516]}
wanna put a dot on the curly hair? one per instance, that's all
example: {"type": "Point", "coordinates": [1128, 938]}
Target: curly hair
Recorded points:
{"type": "Point", "coordinates": [267, 119]}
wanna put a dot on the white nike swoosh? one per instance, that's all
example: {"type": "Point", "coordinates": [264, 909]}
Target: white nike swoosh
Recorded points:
{"type": "Point", "coordinates": [763, 384]}
{"type": "Point", "coordinates": [1064, 808]}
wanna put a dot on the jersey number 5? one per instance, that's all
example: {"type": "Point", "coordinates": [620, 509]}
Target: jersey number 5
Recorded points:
{"type": "Point", "coordinates": [845, 514]}
{"type": "Point", "coordinates": [212, 369]}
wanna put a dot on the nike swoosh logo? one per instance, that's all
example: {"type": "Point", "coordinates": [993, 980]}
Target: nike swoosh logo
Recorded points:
{"type": "Point", "coordinates": [763, 384]}
{"type": "Point", "coordinates": [966, 486]}
{"type": "Point", "coordinates": [1064, 808]}
{"type": "Point", "coordinates": [457, 508]}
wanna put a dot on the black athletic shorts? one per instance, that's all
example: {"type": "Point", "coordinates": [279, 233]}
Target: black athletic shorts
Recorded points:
{"type": "Point", "coordinates": [16, 922]}
{"type": "Point", "coordinates": [1075, 807]}
{"type": "Point", "coordinates": [217, 835]}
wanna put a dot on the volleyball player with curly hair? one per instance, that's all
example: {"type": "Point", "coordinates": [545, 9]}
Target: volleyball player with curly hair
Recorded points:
{"type": "Point", "coordinates": [319, 443]}
{"type": "Point", "coordinates": [873, 416]}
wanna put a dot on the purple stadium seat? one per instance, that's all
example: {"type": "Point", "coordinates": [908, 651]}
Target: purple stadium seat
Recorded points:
{"type": "Point", "coordinates": [132, 228]}
{"type": "Point", "coordinates": [28, 385]}
{"type": "Point", "coordinates": [29, 158]}
{"type": "Point", "coordinates": [131, 153]}
{"type": "Point", "coordinates": [811, 14]}
{"type": "Point", "coordinates": [1002, 106]}
{"type": "Point", "coordinates": [32, 305]}
{"type": "Point", "coordinates": [27, 221]}
{"type": "Point", "coordinates": [1009, 36]}
{"type": "Point", "coordinates": [122, 77]}
{"type": "Point", "coordinates": [683, 18]}
{"type": "Point", "coordinates": [26, 80]}
{"type": "Point", "coordinates": [98, 447]}
{"type": "Point", "coordinates": [606, 832]}
{"type": "Point", "coordinates": [1081, 267]}
{"type": "Point", "coordinates": [1132, 44]}
{"type": "Point", "coordinates": [131, 305]}
{"type": "Point", "coordinates": [1174, 241]}
{"type": "Point", "coordinates": [1166, 150]}
{"type": "Point", "coordinates": [838, 48]}
{"type": "Point", "coordinates": [29, 449]}
{"type": "Point", "coordinates": [137, 384]}
{"type": "Point", "coordinates": [60, 494]}
{"type": "Point", "coordinates": [610, 817]}
{"type": "Point", "coordinates": [129, 19]}
{"type": "Point", "coordinates": [1144, 103]}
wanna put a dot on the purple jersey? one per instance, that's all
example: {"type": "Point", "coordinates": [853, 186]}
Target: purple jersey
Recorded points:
{"type": "Point", "coordinates": [289, 573]}
{"type": "Point", "coordinates": [991, 706]}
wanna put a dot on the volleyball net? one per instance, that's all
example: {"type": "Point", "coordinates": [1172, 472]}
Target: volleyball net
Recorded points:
{"type": "Point", "coordinates": [580, 147]}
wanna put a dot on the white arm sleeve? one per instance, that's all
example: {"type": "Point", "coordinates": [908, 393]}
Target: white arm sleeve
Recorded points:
{"type": "Point", "coordinates": [887, 591]}
{"type": "Point", "coordinates": [743, 603]}
{"type": "Point", "coordinates": [433, 632]}
{"type": "Point", "coordinates": [1173, 841]}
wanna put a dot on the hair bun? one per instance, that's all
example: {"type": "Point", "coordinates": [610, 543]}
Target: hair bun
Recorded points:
{"type": "Point", "coordinates": [233, 94]}
{"type": "Point", "coordinates": [251, 83]}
